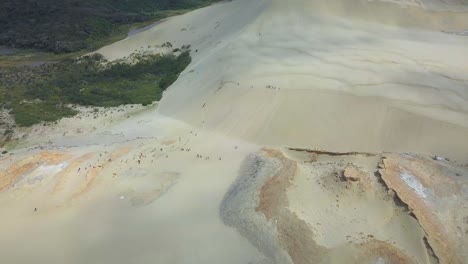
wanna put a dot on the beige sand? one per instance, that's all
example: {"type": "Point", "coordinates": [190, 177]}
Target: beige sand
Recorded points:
{"type": "Point", "coordinates": [117, 198]}
{"type": "Point", "coordinates": [337, 208]}
{"type": "Point", "coordinates": [135, 185]}
{"type": "Point", "coordinates": [336, 75]}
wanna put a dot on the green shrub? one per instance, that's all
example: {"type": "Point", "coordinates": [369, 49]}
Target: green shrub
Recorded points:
{"type": "Point", "coordinates": [88, 81]}
{"type": "Point", "coordinates": [27, 114]}
{"type": "Point", "coordinates": [165, 82]}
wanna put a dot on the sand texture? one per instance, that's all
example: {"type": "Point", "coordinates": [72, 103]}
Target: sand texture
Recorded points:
{"type": "Point", "coordinates": [303, 132]}
{"type": "Point", "coordinates": [335, 75]}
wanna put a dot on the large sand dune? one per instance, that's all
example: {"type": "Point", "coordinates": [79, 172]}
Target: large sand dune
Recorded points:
{"type": "Point", "coordinates": [272, 146]}
{"type": "Point", "coordinates": [335, 75]}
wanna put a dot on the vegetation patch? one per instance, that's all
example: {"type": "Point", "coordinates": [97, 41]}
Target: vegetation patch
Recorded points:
{"type": "Point", "coordinates": [45, 93]}
{"type": "Point", "coordinates": [27, 114]}
{"type": "Point", "coordinates": [63, 26]}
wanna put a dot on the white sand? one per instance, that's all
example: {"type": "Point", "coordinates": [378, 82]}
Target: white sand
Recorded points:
{"type": "Point", "coordinates": [371, 79]}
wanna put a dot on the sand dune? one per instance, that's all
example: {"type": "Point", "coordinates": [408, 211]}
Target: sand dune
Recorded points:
{"type": "Point", "coordinates": [339, 75]}
{"type": "Point", "coordinates": [139, 199]}
{"type": "Point", "coordinates": [273, 146]}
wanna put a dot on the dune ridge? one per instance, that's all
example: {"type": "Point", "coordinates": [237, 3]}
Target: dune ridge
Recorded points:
{"type": "Point", "coordinates": [309, 74]}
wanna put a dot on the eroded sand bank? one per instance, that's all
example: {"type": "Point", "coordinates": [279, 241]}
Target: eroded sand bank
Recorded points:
{"type": "Point", "coordinates": [347, 208]}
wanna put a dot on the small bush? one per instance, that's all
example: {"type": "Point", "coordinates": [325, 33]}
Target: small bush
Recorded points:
{"type": "Point", "coordinates": [8, 132]}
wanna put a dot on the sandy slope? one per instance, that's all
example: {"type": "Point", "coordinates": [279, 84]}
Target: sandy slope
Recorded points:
{"type": "Point", "coordinates": [345, 75]}
{"type": "Point", "coordinates": [118, 198]}
{"type": "Point", "coordinates": [159, 191]}
{"type": "Point", "coordinates": [132, 185]}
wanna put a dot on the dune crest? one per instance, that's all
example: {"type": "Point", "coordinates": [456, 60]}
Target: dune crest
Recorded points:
{"type": "Point", "coordinates": [334, 75]}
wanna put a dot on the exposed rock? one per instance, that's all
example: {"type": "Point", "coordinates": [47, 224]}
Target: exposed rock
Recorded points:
{"type": "Point", "coordinates": [437, 197]}
{"type": "Point", "coordinates": [317, 218]}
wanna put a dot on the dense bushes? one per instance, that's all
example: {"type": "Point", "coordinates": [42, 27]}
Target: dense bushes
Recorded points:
{"type": "Point", "coordinates": [30, 113]}
{"type": "Point", "coordinates": [35, 94]}
{"type": "Point", "coordinates": [42, 94]}
{"type": "Point", "coordinates": [70, 25]}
